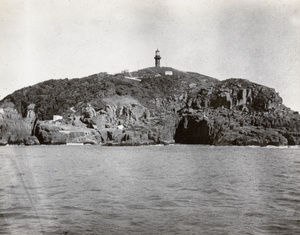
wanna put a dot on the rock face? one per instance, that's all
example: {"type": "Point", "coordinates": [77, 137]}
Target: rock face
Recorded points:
{"type": "Point", "coordinates": [186, 108]}
{"type": "Point", "coordinates": [237, 94]}
{"type": "Point", "coordinates": [195, 130]}
{"type": "Point", "coordinates": [126, 115]}
{"type": "Point", "coordinates": [48, 134]}
{"type": "Point", "coordinates": [13, 128]}
{"type": "Point", "coordinates": [88, 113]}
{"type": "Point", "coordinates": [132, 124]}
{"type": "Point", "coordinates": [237, 112]}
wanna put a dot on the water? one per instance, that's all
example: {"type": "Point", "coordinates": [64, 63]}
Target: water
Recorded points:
{"type": "Point", "coordinates": [177, 189]}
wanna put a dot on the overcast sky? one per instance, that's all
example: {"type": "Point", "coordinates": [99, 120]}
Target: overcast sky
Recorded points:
{"type": "Point", "coordinates": [257, 40]}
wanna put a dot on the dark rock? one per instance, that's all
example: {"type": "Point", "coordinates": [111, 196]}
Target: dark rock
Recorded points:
{"type": "Point", "coordinates": [88, 113]}
{"type": "Point", "coordinates": [90, 141]}
{"type": "Point", "coordinates": [191, 130]}
{"type": "Point", "coordinates": [32, 140]}
{"type": "Point", "coordinates": [115, 135]}
{"type": "Point", "coordinates": [3, 142]}
{"type": "Point", "coordinates": [103, 135]}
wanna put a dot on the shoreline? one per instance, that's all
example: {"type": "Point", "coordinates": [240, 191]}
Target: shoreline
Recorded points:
{"type": "Point", "coordinates": [157, 145]}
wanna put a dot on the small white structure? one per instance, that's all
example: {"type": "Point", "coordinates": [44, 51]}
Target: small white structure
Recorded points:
{"type": "Point", "coordinates": [57, 117]}
{"type": "Point", "coordinates": [168, 73]}
{"type": "Point", "coordinates": [120, 127]}
{"type": "Point", "coordinates": [134, 78]}
{"type": "Point", "coordinates": [126, 72]}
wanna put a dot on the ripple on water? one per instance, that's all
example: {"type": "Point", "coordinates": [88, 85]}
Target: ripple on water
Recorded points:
{"type": "Point", "coordinates": [99, 190]}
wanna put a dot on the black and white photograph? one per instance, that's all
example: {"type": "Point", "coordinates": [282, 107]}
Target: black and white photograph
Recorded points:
{"type": "Point", "coordinates": [150, 117]}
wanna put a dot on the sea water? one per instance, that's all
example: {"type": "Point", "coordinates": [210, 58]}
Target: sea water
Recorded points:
{"type": "Point", "coordinates": [178, 189]}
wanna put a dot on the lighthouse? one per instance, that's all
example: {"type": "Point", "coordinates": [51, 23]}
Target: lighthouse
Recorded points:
{"type": "Point", "coordinates": [157, 58]}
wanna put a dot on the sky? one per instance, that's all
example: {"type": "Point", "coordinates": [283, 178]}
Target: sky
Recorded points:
{"type": "Point", "coordinates": [258, 40]}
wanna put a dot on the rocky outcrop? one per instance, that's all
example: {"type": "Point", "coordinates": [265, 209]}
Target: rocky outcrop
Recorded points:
{"type": "Point", "coordinates": [48, 134]}
{"type": "Point", "coordinates": [132, 124]}
{"type": "Point", "coordinates": [13, 128]}
{"type": "Point", "coordinates": [87, 114]}
{"type": "Point", "coordinates": [237, 112]}
{"type": "Point", "coordinates": [57, 133]}
{"type": "Point", "coordinates": [248, 136]}
{"type": "Point", "coordinates": [31, 140]}
{"type": "Point", "coordinates": [125, 124]}
{"type": "Point", "coordinates": [228, 127]}
{"type": "Point", "coordinates": [83, 136]}
{"type": "Point", "coordinates": [237, 94]}
{"type": "Point", "coordinates": [126, 115]}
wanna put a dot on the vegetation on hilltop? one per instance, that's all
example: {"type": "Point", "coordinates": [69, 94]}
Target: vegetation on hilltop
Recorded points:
{"type": "Point", "coordinates": [56, 97]}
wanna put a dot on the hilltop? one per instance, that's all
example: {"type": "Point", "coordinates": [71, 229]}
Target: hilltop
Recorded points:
{"type": "Point", "coordinates": [56, 97]}
{"type": "Point", "coordinates": [148, 106]}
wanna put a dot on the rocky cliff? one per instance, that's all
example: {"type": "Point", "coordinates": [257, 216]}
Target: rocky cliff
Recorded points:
{"type": "Point", "coordinates": [237, 112]}
{"type": "Point", "coordinates": [156, 108]}
{"type": "Point", "coordinates": [17, 130]}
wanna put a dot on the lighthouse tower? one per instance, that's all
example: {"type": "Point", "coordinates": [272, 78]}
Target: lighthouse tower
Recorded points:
{"type": "Point", "coordinates": [157, 58]}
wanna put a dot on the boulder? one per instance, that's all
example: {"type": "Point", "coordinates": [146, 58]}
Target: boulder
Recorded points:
{"type": "Point", "coordinates": [88, 113]}
{"type": "Point", "coordinates": [3, 142]}
{"type": "Point", "coordinates": [32, 140]}
{"type": "Point", "coordinates": [48, 134]}
{"type": "Point", "coordinates": [90, 141]}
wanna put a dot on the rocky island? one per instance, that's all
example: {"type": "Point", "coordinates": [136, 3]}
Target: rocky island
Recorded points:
{"type": "Point", "coordinates": [156, 105]}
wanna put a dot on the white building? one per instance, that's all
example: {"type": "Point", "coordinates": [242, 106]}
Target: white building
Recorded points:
{"type": "Point", "coordinates": [57, 117]}
{"type": "Point", "coordinates": [169, 73]}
